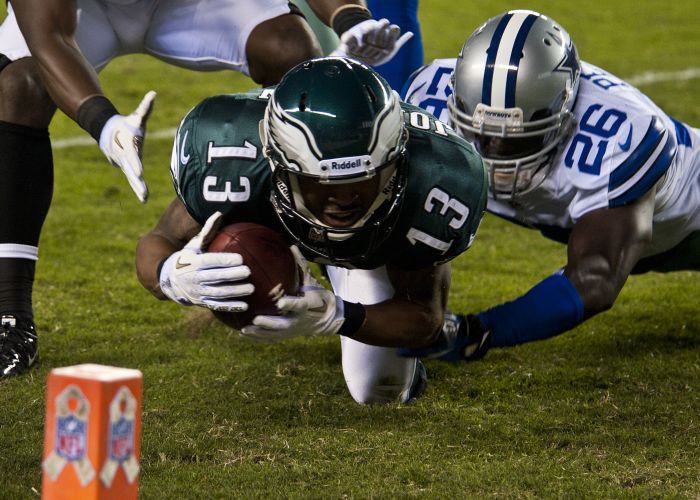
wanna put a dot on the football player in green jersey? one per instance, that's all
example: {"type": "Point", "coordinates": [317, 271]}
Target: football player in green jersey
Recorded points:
{"type": "Point", "coordinates": [376, 190]}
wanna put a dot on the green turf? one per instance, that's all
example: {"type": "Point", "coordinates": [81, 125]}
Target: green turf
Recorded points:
{"type": "Point", "coordinates": [607, 410]}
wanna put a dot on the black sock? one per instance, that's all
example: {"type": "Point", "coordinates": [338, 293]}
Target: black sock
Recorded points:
{"type": "Point", "coordinates": [16, 280]}
{"type": "Point", "coordinates": [26, 187]}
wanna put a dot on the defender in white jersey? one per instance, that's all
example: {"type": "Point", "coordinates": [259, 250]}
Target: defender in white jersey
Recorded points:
{"type": "Point", "coordinates": [49, 51]}
{"type": "Point", "coordinates": [574, 152]}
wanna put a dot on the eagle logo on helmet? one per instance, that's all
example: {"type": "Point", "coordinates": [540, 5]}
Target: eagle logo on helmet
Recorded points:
{"type": "Point", "coordinates": [283, 132]}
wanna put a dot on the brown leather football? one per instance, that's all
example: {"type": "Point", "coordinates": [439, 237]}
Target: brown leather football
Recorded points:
{"type": "Point", "coordinates": [271, 263]}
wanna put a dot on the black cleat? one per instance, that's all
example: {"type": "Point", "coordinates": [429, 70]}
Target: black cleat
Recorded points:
{"type": "Point", "coordinates": [19, 348]}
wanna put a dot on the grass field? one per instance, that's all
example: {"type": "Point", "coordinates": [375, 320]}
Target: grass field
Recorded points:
{"type": "Point", "coordinates": [610, 409]}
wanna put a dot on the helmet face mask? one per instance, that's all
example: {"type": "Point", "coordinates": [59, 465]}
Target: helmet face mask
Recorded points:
{"type": "Point", "coordinates": [507, 148]}
{"type": "Point", "coordinates": [351, 245]}
{"type": "Point", "coordinates": [333, 130]}
{"type": "Point", "coordinates": [515, 85]}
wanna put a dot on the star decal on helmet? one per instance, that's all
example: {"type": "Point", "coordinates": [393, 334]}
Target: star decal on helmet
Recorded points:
{"type": "Point", "coordinates": [569, 63]}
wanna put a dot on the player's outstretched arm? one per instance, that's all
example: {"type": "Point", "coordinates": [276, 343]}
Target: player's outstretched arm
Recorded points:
{"type": "Point", "coordinates": [603, 248]}
{"type": "Point", "coordinates": [363, 38]}
{"type": "Point", "coordinates": [121, 141]}
{"type": "Point", "coordinates": [49, 27]}
{"type": "Point", "coordinates": [461, 338]}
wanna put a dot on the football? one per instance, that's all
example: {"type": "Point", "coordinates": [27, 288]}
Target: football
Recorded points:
{"type": "Point", "coordinates": [273, 269]}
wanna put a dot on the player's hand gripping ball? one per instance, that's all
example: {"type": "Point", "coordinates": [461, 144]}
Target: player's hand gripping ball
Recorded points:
{"type": "Point", "coordinates": [273, 269]}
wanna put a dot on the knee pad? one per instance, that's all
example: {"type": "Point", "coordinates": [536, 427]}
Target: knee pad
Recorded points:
{"type": "Point", "coordinates": [375, 391]}
{"type": "Point", "coordinates": [377, 375]}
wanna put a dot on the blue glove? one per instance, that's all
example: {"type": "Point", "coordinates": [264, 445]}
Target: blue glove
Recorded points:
{"type": "Point", "coordinates": [462, 338]}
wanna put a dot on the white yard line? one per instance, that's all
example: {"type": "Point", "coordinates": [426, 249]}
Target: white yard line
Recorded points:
{"type": "Point", "coordinates": [664, 76]}
{"type": "Point", "coordinates": [642, 79]}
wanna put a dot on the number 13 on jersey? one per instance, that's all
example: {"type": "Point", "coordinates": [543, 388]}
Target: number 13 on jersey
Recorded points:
{"type": "Point", "coordinates": [441, 203]}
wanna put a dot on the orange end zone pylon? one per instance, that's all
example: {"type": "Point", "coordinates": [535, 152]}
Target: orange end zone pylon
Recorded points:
{"type": "Point", "coordinates": [91, 433]}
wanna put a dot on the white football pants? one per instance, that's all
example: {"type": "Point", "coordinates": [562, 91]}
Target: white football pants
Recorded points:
{"type": "Point", "coordinates": [196, 34]}
{"type": "Point", "coordinates": [372, 374]}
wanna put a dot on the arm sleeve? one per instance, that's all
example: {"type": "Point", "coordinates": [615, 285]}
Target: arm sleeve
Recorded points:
{"type": "Point", "coordinates": [551, 307]}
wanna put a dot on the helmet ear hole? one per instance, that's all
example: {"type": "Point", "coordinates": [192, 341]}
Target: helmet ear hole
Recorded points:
{"type": "Point", "coordinates": [460, 104]}
{"type": "Point", "coordinates": [302, 101]}
{"type": "Point", "coordinates": [541, 114]}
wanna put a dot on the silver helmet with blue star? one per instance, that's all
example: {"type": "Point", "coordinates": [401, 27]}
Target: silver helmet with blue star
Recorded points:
{"type": "Point", "coordinates": [515, 84]}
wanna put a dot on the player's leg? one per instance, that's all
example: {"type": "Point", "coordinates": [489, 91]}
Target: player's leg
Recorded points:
{"type": "Point", "coordinates": [277, 45]}
{"type": "Point", "coordinates": [687, 254]}
{"type": "Point", "coordinates": [260, 38]}
{"type": "Point", "coordinates": [409, 58]}
{"type": "Point", "coordinates": [96, 31]}
{"type": "Point", "coordinates": [374, 374]}
{"type": "Point", "coordinates": [26, 170]}
{"type": "Point", "coordinates": [683, 257]}
{"type": "Point", "coordinates": [324, 33]}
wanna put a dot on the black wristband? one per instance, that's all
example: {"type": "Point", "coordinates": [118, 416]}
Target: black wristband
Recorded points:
{"type": "Point", "coordinates": [160, 268]}
{"type": "Point", "coordinates": [94, 113]}
{"type": "Point", "coordinates": [354, 318]}
{"type": "Point", "coordinates": [349, 17]}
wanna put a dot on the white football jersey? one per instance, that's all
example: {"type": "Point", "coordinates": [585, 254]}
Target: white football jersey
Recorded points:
{"type": "Point", "coordinates": [622, 145]}
{"type": "Point", "coordinates": [429, 87]}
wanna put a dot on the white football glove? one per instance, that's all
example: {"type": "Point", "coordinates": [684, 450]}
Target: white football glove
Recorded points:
{"type": "Point", "coordinates": [316, 312]}
{"type": "Point", "coordinates": [212, 280]}
{"type": "Point", "coordinates": [372, 42]}
{"type": "Point", "coordinates": [121, 140]}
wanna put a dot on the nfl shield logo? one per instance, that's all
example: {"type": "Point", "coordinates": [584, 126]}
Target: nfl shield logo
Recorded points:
{"type": "Point", "coordinates": [71, 438]}
{"type": "Point", "coordinates": [121, 439]}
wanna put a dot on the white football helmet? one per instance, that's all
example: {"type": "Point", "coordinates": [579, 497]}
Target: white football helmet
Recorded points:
{"type": "Point", "coordinates": [515, 84]}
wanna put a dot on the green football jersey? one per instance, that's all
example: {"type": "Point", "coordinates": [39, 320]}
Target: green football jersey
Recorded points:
{"type": "Point", "coordinates": [218, 165]}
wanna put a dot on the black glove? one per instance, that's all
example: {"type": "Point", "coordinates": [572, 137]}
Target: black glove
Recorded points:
{"type": "Point", "coordinates": [462, 338]}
